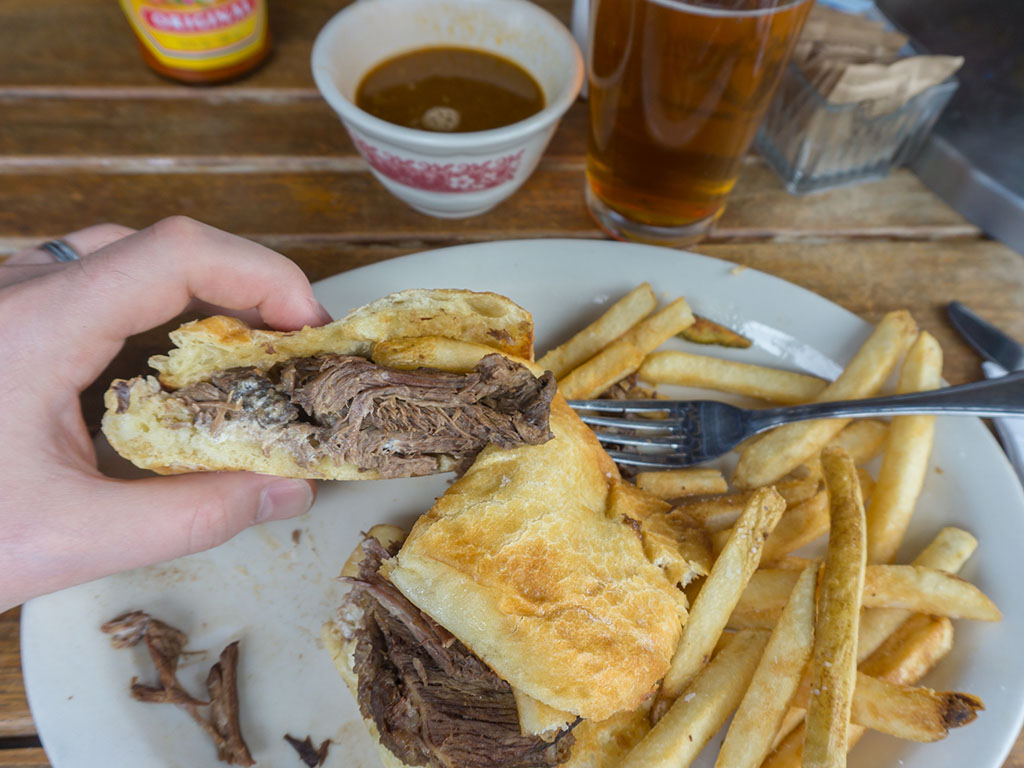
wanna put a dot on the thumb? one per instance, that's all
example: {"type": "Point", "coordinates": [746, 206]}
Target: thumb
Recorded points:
{"type": "Point", "coordinates": [96, 526]}
{"type": "Point", "coordinates": [167, 517]}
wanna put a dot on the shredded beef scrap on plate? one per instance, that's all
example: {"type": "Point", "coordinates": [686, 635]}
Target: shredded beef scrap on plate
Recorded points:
{"type": "Point", "coordinates": [165, 645]}
{"type": "Point", "coordinates": [310, 755]}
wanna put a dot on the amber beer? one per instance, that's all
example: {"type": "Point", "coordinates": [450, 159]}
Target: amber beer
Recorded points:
{"type": "Point", "coordinates": [677, 90]}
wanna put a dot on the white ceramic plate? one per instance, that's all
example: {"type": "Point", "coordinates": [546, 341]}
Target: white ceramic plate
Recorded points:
{"type": "Point", "coordinates": [272, 591]}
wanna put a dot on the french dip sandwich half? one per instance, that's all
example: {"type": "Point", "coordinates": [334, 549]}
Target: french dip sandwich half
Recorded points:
{"type": "Point", "coordinates": [347, 401]}
{"type": "Point", "coordinates": [527, 616]}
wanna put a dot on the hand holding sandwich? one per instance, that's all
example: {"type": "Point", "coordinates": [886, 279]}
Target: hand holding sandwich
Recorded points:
{"type": "Point", "coordinates": [61, 521]}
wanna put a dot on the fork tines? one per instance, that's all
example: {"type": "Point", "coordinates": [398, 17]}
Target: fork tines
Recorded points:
{"type": "Point", "coordinates": [665, 448]}
{"type": "Point", "coordinates": [645, 426]}
{"type": "Point", "coordinates": [621, 406]}
{"type": "Point", "coordinates": [651, 460]}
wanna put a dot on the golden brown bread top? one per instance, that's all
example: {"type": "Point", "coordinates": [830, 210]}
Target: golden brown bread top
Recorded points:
{"type": "Point", "coordinates": [219, 342]}
{"type": "Point", "coordinates": [526, 563]}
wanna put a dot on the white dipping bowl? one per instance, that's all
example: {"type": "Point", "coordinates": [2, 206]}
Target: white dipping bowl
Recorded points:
{"type": "Point", "coordinates": [451, 175]}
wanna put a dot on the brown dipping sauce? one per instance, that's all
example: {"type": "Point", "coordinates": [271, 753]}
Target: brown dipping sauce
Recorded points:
{"type": "Point", "coordinates": [449, 89]}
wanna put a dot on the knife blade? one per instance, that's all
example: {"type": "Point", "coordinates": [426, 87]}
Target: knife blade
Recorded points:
{"type": "Point", "coordinates": [987, 340]}
{"type": "Point", "coordinates": [781, 344]}
{"type": "Point", "coordinates": [1004, 355]}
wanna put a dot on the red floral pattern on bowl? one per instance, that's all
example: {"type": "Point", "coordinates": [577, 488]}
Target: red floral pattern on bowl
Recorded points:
{"type": "Point", "coordinates": [441, 177]}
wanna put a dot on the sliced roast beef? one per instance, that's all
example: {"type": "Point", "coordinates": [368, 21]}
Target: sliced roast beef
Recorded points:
{"type": "Point", "coordinates": [433, 701]}
{"type": "Point", "coordinates": [393, 421]}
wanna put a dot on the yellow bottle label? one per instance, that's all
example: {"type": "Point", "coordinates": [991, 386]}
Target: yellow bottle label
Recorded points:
{"type": "Point", "coordinates": [199, 34]}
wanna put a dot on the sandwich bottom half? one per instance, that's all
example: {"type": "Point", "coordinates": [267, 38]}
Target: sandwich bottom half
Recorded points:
{"type": "Point", "coordinates": [601, 744]}
{"type": "Point", "coordinates": [525, 619]}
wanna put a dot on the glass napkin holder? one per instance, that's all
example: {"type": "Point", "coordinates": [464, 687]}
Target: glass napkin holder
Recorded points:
{"type": "Point", "coordinates": [814, 144]}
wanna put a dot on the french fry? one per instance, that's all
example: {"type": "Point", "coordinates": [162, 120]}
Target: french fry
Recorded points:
{"type": "Point", "coordinates": [800, 525]}
{"type": "Point", "coordinates": [689, 370]}
{"type": "Point", "coordinates": [800, 484]}
{"type": "Point", "coordinates": [789, 751]}
{"type": "Point", "coordinates": [675, 483]}
{"type": "Point", "coordinates": [620, 317]}
{"type": "Point", "coordinates": [907, 712]}
{"type": "Point", "coordinates": [867, 484]}
{"type": "Point", "coordinates": [774, 681]}
{"type": "Point", "coordinates": [912, 588]}
{"type": "Point", "coordinates": [906, 455]}
{"type": "Point", "coordinates": [902, 710]}
{"type": "Point", "coordinates": [715, 513]}
{"type": "Point", "coordinates": [793, 563]}
{"type": "Point", "coordinates": [767, 590]}
{"type": "Point", "coordinates": [719, 512]}
{"type": "Point", "coordinates": [915, 647]}
{"type": "Point", "coordinates": [606, 368]}
{"type": "Point", "coordinates": [834, 662]}
{"type": "Point", "coordinates": [706, 331]}
{"type": "Point", "coordinates": [926, 590]}
{"type": "Point", "coordinates": [753, 619]}
{"type": "Point", "coordinates": [863, 439]}
{"type": "Point", "coordinates": [948, 551]}
{"type": "Point", "coordinates": [624, 355]}
{"type": "Point", "coordinates": [906, 656]}
{"type": "Point", "coordinates": [434, 352]}
{"type": "Point", "coordinates": [679, 736]}
{"type": "Point", "coordinates": [718, 595]}
{"type": "Point", "coordinates": [779, 451]}
{"type": "Point", "coordinates": [649, 334]}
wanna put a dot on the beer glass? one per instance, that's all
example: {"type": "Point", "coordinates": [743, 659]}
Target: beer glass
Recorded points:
{"type": "Point", "coordinates": [677, 89]}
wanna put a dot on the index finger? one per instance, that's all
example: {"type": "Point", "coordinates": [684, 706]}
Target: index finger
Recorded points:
{"type": "Point", "coordinates": [150, 277]}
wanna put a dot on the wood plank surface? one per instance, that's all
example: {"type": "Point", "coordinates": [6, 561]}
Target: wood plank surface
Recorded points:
{"type": "Point", "coordinates": [22, 757]}
{"type": "Point", "coordinates": [88, 43]}
{"type": "Point", "coordinates": [54, 41]}
{"type": "Point", "coordinates": [15, 719]}
{"type": "Point", "coordinates": [353, 206]}
{"type": "Point", "coordinates": [46, 132]}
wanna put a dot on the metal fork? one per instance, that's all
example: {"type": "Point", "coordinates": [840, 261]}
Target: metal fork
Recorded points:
{"type": "Point", "coordinates": [693, 431]}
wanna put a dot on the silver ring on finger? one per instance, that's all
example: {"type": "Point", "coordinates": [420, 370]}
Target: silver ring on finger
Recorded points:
{"type": "Point", "coordinates": [60, 250]}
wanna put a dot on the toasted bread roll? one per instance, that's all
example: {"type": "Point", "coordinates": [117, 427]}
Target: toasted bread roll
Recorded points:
{"type": "Point", "coordinates": [312, 403]}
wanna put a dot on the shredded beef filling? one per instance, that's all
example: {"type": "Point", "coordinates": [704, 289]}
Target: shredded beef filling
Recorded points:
{"type": "Point", "coordinates": [393, 421]}
{"type": "Point", "coordinates": [434, 702]}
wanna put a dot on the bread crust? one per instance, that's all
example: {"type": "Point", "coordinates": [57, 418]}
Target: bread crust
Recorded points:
{"type": "Point", "coordinates": [524, 561]}
{"type": "Point", "coordinates": [215, 343]}
{"type": "Point", "coordinates": [154, 430]}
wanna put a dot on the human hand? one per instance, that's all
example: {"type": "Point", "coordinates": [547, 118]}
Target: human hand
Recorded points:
{"type": "Point", "coordinates": [61, 521]}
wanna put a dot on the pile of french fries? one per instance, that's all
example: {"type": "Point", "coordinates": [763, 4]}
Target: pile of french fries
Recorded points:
{"type": "Point", "coordinates": [805, 652]}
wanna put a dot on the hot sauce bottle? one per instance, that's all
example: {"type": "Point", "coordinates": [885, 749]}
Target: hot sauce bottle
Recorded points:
{"type": "Point", "coordinates": [200, 41]}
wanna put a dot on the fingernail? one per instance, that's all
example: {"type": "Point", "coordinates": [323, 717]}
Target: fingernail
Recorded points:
{"type": "Point", "coordinates": [322, 313]}
{"type": "Point", "coordinates": [283, 499]}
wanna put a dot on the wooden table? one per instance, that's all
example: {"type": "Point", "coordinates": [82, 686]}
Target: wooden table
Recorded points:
{"type": "Point", "coordinates": [88, 134]}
